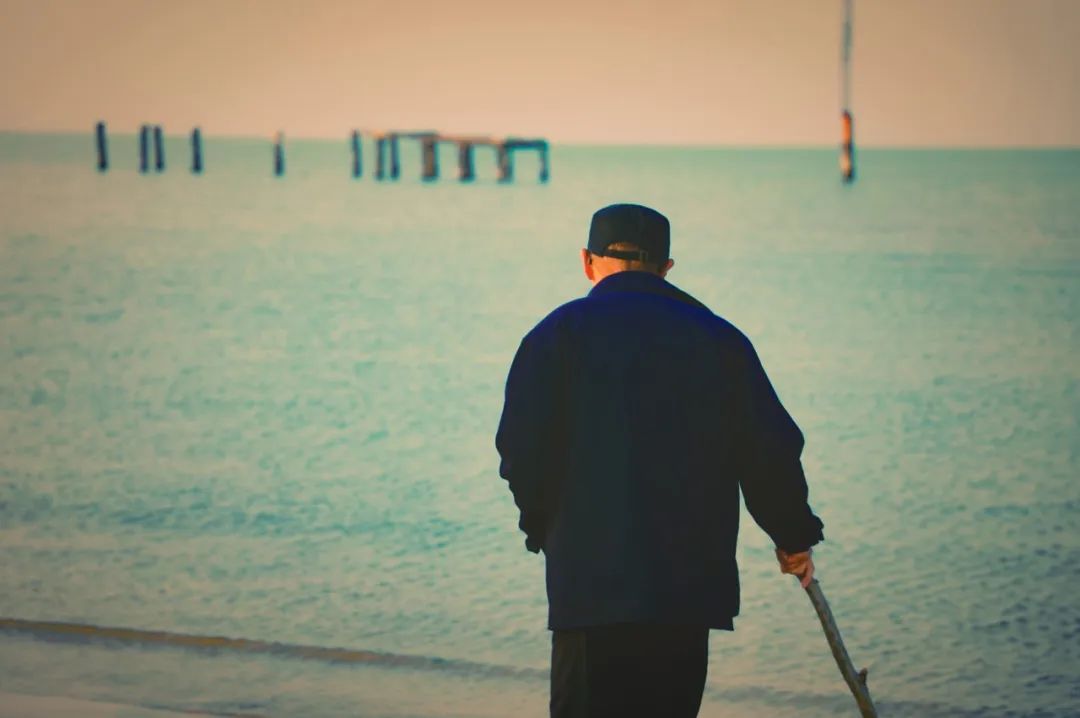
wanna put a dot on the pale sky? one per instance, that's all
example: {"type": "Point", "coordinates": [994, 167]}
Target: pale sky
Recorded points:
{"type": "Point", "coordinates": [759, 72]}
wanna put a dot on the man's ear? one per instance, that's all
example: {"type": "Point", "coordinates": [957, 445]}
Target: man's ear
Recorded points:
{"type": "Point", "coordinates": [586, 264]}
{"type": "Point", "coordinates": [664, 270]}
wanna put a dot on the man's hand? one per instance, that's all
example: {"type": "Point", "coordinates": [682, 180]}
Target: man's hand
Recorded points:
{"type": "Point", "coordinates": [797, 564]}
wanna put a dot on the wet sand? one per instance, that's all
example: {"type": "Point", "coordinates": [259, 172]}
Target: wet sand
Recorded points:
{"type": "Point", "coordinates": [18, 705]}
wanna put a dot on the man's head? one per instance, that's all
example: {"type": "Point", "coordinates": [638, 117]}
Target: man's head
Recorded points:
{"type": "Point", "coordinates": [627, 237]}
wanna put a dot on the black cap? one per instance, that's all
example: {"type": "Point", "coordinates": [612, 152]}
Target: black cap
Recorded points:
{"type": "Point", "coordinates": [633, 224]}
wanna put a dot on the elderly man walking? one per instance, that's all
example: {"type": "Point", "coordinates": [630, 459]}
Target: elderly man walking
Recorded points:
{"type": "Point", "coordinates": [633, 417]}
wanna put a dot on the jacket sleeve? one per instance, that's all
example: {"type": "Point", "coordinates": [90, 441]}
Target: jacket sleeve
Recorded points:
{"type": "Point", "coordinates": [528, 436]}
{"type": "Point", "coordinates": [771, 475]}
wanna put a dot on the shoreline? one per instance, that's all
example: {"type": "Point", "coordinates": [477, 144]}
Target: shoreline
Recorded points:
{"type": "Point", "coordinates": [25, 705]}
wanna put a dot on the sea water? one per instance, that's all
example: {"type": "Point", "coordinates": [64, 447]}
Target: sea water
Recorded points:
{"type": "Point", "coordinates": [256, 407]}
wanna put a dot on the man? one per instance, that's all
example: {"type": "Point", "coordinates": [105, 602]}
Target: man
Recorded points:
{"type": "Point", "coordinates": [633, 417]}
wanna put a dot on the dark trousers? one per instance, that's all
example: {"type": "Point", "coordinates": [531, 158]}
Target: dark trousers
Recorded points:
{"type": "Point", "coordinates": [628, 671]}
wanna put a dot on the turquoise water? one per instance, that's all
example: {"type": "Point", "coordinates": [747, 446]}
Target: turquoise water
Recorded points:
{"type": "Point", "coordinates": [264, 408]}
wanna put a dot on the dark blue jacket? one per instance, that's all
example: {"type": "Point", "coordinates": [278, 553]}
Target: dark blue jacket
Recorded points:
{"type": "Point", "coordinates": [632, 418]}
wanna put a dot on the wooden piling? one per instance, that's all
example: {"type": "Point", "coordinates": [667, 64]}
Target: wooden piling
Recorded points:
{"type": "Point", "coordinates": [279, 154]}
{"type": "Point", "coordinates": [159, 149]}
{"type": "Point", "coordinates": [356, 159]}
{"type": "Point", "coordinates": [380, 157]}
{"type": "Point", "coordinates": [430, 154]}
{"type": "Point", "coordinates": [544, 167]}
{"type": "Point", "coordinates": [196, 151]}
{"type": "Point", "coordinates": [510, 145]}
{"type": "Point", "coordinates": [847, 128]}
{"type": "Point", "coordinates": [466, 170]}
{"type": "Point", "coordinates": [395, 159]}
{"type": "Point", "coordinates": [387, 151]}
{"type": "Point", "coordinates": [144, 148]}
{"type": "Point", "coordinates": [505, 162]}
{"type": "Point", "coordinates": [102, 147]}
{"type": "Point", "coordinates": [847, 147]}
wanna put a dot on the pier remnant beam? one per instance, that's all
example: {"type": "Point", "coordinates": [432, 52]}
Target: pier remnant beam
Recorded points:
{"type": "Point", "coordinates": [505, 149]}
{"type": "Point", "coordinates": [354, 144]}
{"type": "Point", "coordinates": [159, 149]}
{"type": "Point", "coordinates": [545, 172]}
{"type": "Point", "coordinates": [196, 151]}
{"type": "Point", "coordinates": [279, 154]}
{"type": "Point", "coordinates": [395, 158]}
{"type": "Point", "coordinates": [430, 158]}
{"type": "Point", "coordinates": [466, 166]}
{"type": "Point", "coordinates": [386, 142]}
{"type": "Point", "coordinates": [466, 151]}
{"type": "Point", "coordinates": [504, 162]}
{"type": "Point", "coordinates": [506, 157]}
{"type": "Point", "coordinates": [429, 155]}
{"type": "Point", "coordinates": [387, 155]}
{"type": "Point", "coordinates": [144, 148]}
{"type": "Point", "coordinates": [102, 144]}
{"type": "Point", "coordinates": [380, 157]}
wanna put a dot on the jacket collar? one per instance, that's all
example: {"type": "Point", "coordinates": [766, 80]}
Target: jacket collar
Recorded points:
{"type": "Point", "coordinates": [647, 282]}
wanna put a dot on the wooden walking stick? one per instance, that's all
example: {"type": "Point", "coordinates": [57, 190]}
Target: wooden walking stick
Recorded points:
{"type": "Point", "coordinates": [856, 680]}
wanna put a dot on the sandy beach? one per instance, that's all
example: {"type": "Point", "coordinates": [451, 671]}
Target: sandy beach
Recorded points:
{"type": "Point", "coordinates": [19, 705]}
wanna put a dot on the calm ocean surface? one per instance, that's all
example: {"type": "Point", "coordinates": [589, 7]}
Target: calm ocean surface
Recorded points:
{"type": "Point", "coordinates": [264, 408]}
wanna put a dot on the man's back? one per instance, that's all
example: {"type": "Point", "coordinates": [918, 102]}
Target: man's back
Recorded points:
{"type": "Point", "coordinates": [632, 418]}
{"type": "Point", "coordinates": [632, 415]}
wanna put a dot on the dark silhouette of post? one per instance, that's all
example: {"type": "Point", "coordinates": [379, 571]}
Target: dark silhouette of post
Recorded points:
{"type": "Point", "coordinates": [102, 147]}
{"type": "Point", "coordinates": [380, 157]}
{"type": "Point", "coordinates": [505, 162]}
{"type": "Point", "coordinates": [466, 170]}
{"type": "Point", "coordinates": [144, 148]}
{"type": "Point", "coordinates": [356, 160]}
{"type": "Point", "coordinates": [847, 121]}
{"type": "Point", "coordinates": [395, 159]}
{"type": "Point", "coordinates": [159, 149]}
{"type": "Point", "coordinates": [506, 156]}
{"type": "Point", "coordinates": [196, 151]}
{"type": "Point", "coordinates": [847, 147]}
{"type": "Point", "coordinates": [387, 152]}
{"type": "Point", "coordinates": [505, 149]}
{"type": "Point", "coordinates": [430, 155]}
{"type": "Point", "coordinates": [279, 154]}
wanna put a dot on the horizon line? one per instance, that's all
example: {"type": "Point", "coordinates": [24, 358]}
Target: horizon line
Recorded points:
{"type": "Point", "coordinates": [579, 143]}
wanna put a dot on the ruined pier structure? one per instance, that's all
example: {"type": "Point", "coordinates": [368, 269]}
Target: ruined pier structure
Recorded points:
{"type": "Point", "coordinates": [387, 152]}
{"type": "Point", "coordinates": [388, 163]}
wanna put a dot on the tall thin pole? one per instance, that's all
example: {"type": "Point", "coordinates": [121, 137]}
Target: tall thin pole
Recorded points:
{"type": "Point", "coordinates": [102, 147]}
{"type": "Point", "coordinates": [279, 154]}
{"type": "Point", "coordinates": [845, 57]}
{"type": "Point", "coordinates": [395, 160]}
{"type": "Point", "coordinates": [545, 172]}
{"type": "Point", "coordinates": [159, 149]}
{"type": "Point", "coordinates": [380, 157]}
{"type": "Point", "coordinates": [354, 144]}
{"type": "Point", "coordinates": [504, 162]}
{"type": "Point", "coordinates": [466, 170]}
{"type": "Point", "coordinates": [196, 151]}
{"type": "Point", "coordinates": [847, 120]}
{"type": "Point", "coordinates": [429, 152]}
{"type": "Point", "coordinates": [144, 148]}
